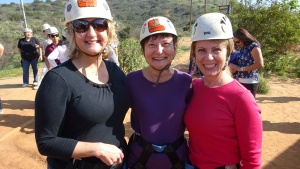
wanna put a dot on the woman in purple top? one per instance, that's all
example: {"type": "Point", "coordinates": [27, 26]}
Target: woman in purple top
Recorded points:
{"type": "Point", "coordinates": [159, 95]}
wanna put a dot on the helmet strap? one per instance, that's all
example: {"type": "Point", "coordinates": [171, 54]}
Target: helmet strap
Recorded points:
{"type": "Point", "coordinates": [98, 54]}
{"type": "Point", "coordinates": [161, 71]}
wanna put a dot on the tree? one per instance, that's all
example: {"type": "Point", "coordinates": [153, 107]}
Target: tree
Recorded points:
{"type": "Point", "coordinates": [276, 27]}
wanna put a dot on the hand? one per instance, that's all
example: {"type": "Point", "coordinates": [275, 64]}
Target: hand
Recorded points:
{"type": "Point", "coordinates": [40, 58]}
{"type": "Point", "coordinates": [109, 154]}
{"type": "Point", "coordinates": [233, 67]}
{"type": "Point", "coordinates": [37, 46]}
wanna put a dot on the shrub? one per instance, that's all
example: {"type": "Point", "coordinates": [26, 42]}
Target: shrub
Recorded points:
{"type": "Point", "coordinates": [130, 55]}
{"type": "Point", "coordinates": [263, 86]}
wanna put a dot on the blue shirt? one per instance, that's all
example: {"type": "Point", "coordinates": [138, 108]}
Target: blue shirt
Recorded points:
{"type": "Point", "coordinates": [245, 59]}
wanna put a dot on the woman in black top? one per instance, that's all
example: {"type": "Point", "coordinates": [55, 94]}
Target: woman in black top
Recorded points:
{"type": "Point", "coordinates": [81, 104]}
{"type": "Point", "coordinates": [31, 53]}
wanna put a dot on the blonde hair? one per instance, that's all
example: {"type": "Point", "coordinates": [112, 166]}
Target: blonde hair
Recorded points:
{"type": "Point", "coordinates": [74, 51]}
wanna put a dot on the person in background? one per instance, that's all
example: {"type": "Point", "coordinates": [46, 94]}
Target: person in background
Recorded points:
{"type": "Point", "coordinates": [31, 53]}
{"type": "Point", "coordinates": [1, 53]}
{"type": "Point", "coordinates": [54, 36]}
{"type": "Point", "coordinates": [1, 49]}
{"type": "Point", "coordinates": [81, 104]}
{"type": "Point", "coordinates": [233, 60]}
{"type": "Point", "coordinates": [222, 118]}
{"type": "Point", "coordinates": [59, 54]}
{"type": "Point", "coordinates": [46, 40]}
{"type": "Point", "coordinates": [113, 50]}
{"type": "Point", "coordinates": [249, 60]}
{"type": "Point", "coordinates": [159, 95]}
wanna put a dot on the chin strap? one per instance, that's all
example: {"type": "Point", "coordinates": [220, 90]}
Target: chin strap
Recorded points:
{"type": "Point", "coordinates": [157, 80]}
{"type": "Point", "coordinates": [98, 54]}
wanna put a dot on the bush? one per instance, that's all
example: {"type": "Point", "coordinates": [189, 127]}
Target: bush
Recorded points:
{"type": "Point", "coordinates": [130, 55]}
{"type": "Point", "coordinates": [263, 86]}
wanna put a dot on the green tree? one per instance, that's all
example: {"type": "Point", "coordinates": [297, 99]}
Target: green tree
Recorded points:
{"type": "Point", "coordinates": [276, 27]}
{"type": "Point", "coordinates": [130, 56]}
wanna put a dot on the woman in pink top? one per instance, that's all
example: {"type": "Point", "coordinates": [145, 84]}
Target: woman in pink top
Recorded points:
{"type": "Point", "coordinates": [223, 119]}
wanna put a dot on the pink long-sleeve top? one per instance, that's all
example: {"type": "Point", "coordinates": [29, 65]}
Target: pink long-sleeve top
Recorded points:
{"type": "Point", "coordinates": [225, 127]}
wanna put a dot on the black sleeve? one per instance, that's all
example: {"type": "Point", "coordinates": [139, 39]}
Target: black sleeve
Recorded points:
{"type": "Point", "coordinates": [19, 44]}
{"type": "Point", "coordinates": [37, 41]}
{"type": "Point", "coordinates": [50, 109]}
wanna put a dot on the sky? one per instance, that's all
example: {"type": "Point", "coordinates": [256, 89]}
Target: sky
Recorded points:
{"type": "Point", "coordinates": [30, 1]}
{"type": "Point", "coordinates": [16, 1]}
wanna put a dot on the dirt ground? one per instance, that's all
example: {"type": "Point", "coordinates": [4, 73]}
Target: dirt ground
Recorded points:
{"type": "Point", "coordinates": [280, 114]}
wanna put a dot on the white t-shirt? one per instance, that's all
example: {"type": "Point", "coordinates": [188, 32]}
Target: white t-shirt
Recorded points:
{"type": "Point", "coordinates": [58, 53]}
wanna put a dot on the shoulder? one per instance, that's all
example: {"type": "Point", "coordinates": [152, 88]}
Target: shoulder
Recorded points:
{"type": "Point", "coordinates": [134, 74]}
{"type": "Point", "coordinates": [253, 45]}
{"type": "Point", "coordinates": [35, 39]}
{"type": "Point", "coordinates": [21, 39]}
{"type": "Point", "coordinates": [65, 67]}
{"type": "Point", "coordinates": [113, 70]}
{"type": "Point", "coordinates": [183, 76]}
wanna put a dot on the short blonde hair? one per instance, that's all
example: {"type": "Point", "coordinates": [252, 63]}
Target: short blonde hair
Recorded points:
{"type": "Point", "coordinates": [74, 51]}
{"type": "Point", "coordinates": [227, 42]}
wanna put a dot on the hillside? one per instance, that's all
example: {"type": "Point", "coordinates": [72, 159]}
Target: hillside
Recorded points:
{"type": "Point", "coordinates": [280, 115]}
{"type": "Point", "coordinates": [129, 15]}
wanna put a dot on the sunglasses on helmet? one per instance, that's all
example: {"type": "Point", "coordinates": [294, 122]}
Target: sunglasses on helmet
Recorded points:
{"type": "Point", "coordinates": [81, 26]}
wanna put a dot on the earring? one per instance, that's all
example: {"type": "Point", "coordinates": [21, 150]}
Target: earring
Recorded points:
{"type": "Point", "coordinates": [104, 50]}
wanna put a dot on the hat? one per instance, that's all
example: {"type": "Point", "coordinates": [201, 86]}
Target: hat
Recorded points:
{"type": "Point", "coordinates": [45, 27]}
{"type": "Point", "coordinates": [52, 30]}
{"type": "Point", "coordinates": [76, 9]}
{"type": "Point", "coordinates": [212, 26]}
{"type": "Point", "coordinates": [27, 30]}
{"type": "Point", "coordinates": [155, 25]}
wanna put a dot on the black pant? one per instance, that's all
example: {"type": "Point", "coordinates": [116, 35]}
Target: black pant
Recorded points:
{"type": "Point", "coordinates": [1, 104]}
{"type": "Point", "coordinates": [252, 87]}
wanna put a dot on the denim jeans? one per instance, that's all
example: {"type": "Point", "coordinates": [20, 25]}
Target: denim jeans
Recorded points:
{"type": "Point", "coordinates": [25, 66]}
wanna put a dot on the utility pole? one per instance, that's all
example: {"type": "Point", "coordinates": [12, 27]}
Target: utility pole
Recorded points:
{"type": "Point", "coordinates": [205, 11]}
{"type": "Point", "coordinates": [23, 12]}
{"type": "Point", "coordinates": [191, 11]}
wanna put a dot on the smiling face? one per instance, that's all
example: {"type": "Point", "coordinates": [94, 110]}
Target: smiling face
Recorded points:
{"type": "Point", "coordinates": [159, 51]}
{"type": "Point", "coordinates": [211, 57]}
{"type": "Point", "coordinates": [91, 41]}
{"type": "Point", "coordinates": [28, 35]}
{"type": "Point", "coordinates": [55, 38]}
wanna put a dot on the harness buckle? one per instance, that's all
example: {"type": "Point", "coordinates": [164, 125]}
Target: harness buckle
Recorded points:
{"type": "Point", "coordinates": [159, 149]}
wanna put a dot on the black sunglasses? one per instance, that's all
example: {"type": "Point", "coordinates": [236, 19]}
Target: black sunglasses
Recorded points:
{"type": "Point", "coordinates": [53, 36]}
{"type": "Point", "coordinates": [81, 26]}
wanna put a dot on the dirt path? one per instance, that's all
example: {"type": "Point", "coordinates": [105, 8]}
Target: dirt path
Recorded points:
{"type": "Point", "coordinates": [280, 113]}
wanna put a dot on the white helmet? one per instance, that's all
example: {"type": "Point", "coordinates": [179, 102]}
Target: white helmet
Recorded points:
{"type": "Point", "coordinates": [155, 25]}
{"type": "Point", "coordinates": [27, 30]}
{"type": "Point", "coordinates": [45, 26]}
{"type": "Point", "coordinates": [212, 26]}
{"type": "Point", "coordinates": [52, 30]}
{"type": "Point", "coordinates": [78, 9]}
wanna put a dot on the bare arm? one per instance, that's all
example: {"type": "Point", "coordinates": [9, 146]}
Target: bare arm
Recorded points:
{"type": "Point", "coordinates": [107, 153]}
{"type": "Point", "coordinates": [258, 61]}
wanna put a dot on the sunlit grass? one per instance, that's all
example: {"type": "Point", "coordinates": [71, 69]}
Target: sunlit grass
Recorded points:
{"type": "Point", "coordinates": [7, 73]}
